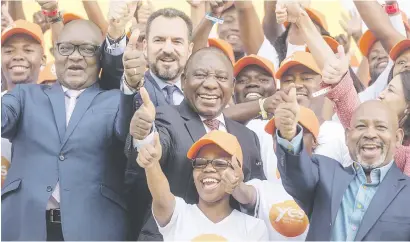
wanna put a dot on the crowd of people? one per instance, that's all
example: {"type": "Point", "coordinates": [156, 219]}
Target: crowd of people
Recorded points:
{"type": "Point", "coordinates": [271, 130]}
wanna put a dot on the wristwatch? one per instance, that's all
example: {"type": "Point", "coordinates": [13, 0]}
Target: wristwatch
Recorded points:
{"type": "Point", "coordinates": [392, 9]}
{"type": "Point", "coordinates": [263, 112]}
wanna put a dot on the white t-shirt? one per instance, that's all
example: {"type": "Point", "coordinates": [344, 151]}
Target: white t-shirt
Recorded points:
{"type": "Point", "coordinates": [284, 219]}
{"type": "Point", "coordinates": [188, 223]}
{"type": "Point", "coordinates": [331, 143]}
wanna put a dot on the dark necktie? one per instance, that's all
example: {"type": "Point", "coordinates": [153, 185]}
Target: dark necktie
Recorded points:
{"type": "Point", "coordinates": [213, 124]}
{"type": "Point", "coordinates": [170, 94]}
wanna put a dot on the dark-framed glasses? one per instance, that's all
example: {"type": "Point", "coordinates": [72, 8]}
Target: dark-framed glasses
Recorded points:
{"type": "Point", "coordinates": [217, 164]}
{"type": "Point", "coordinates": [85, 50]}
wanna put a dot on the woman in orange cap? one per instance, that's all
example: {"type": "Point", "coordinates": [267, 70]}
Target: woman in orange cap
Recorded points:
{"type": "Point", "coordinates": [216, 159]}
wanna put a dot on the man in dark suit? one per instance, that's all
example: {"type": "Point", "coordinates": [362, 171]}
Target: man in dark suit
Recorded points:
{"type": "Point", "coordinates": [67, 172]}
{"type": "Point", "coordinates": [365, 200]}
{"type": "Point", "coordinates": [166, 47]}
{"type": "Point", "coordinates": [208, 85]}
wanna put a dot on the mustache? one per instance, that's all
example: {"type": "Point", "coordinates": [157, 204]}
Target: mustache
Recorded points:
{"type": "Point", "coordinates": [164, 55]}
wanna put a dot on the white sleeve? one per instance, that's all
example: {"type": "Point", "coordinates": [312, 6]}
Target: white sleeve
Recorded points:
{"type": "Point", "coordinates": [378, 86]}
{"type": "Point", "coordinates": [169, 230]}
{"type": "Point", "coordinates": [268, 51]}
{"type": "Point", "coordinates": [256, 183]}
{"type": "Point", "coordinates": [397, 22]}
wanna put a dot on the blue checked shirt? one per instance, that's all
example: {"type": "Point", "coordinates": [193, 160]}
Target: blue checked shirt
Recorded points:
{"type": "Point", "coordinates": [357, 197]}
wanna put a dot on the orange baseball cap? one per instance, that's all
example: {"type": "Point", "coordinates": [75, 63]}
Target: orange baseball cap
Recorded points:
{"type": "Point", "coordinates": [224, 140]}
{"type": "Point", "coordinates": [307, 119]}
{"type": "Point", "coordinates": [316, 16]}
{"type": "Point", "coordinates": [366, 42]}
{"type": "Point", "coordinates": [68, 17]}
{"type": "Point", "coordinates": [298, 58]}
{"type": "Point", "coordinates": [224, 46]}
{"type": "Point", "coordinates": [333, 44]}
{"type": "Point", "coordinates": [399, 48]}
{"type": "Point", "coordinates": [253, 60]}
{"type": "Point", "coordinates": [47, 74]}
{"type": "Point", "coordinates": [23, 27]}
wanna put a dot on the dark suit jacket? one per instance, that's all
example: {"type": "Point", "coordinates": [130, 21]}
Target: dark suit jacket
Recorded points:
{"type": "Point", "coordinates": [112, 69]}
{"type": "Point", "coordinates": [86, 157]}
{"type": "Point", "coordinates": [318, 184]}
{"type": "Point", "coordinates": [179, 127]}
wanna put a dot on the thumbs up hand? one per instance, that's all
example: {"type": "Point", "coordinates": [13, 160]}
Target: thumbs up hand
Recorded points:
{"type": "Point", "coordinates": [141, 122]}
{"type": "Point", "coordinates": [119, 14]}
{"type": "Point", "coordinates": [150, 154]}
{"type": "Point", "coordinates": [287, 115]}
{"type": "Point", "coordinates": [335, 68]}
{"type": "Point", "coordinates": [134, 62]}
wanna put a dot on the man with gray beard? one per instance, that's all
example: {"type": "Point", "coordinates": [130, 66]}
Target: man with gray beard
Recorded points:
{"type": "Point", "coordinates": [166, 48]}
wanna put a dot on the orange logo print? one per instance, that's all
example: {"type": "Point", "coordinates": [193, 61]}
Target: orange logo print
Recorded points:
{"type": "Point", "coordinates": [5, 164]}
{"type": "Point", "coordinates": [288, 219]}
{"type": "Point", "coordinates": [277, 174]}
{"type": "Point", "coordinates": [209, 237]}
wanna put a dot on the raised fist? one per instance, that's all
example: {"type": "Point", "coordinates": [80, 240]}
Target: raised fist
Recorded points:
{"type": "Point", "coordinates": [134, 62]}
{"type": "Point", "coordinates": [149, 154]}
{"type": "Point", "coordinates": [144, 117]}
{"type": "Point", "coordinates": [287, 115]}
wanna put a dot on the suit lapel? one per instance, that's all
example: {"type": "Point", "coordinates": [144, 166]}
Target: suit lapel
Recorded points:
{"type": "Point", "coordinates": [82, 105]}
{"type": "Point", "coordinates": [193, 122]}
{"type": "Point", "coordinates": [56, 96]}
{"type": "Point", "coordinates": [341, 180]}
{"type": "Point", "coordinates": [388, 190]}
{"type": "Point", "coordinates": [156, 95]}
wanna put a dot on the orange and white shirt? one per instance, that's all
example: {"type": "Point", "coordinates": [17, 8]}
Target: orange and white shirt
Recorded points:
{"type": "Point", "coordinates": [188, 223]}
{"type": "Point", "coordinates": [284, 219]}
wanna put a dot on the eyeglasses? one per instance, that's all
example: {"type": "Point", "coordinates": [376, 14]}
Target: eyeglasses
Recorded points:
{"type": "Point", "coordinates": [217, 164]}
{"type": "Point", "coordinates": [85, 50]}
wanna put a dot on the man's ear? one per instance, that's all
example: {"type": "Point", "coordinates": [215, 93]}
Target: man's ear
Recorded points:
{"type": "Point", "coordinates": [44, 60]}
{"type": "Point", "coordinates": [347, 133]}
{"type": "Point", "coordinates": [145, 48]}
{"type": "Point", "coordinates": [399, 137]}
{"type": "Point", "coordinates": [190, 48]}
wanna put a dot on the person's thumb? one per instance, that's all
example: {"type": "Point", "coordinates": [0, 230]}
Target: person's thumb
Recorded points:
{"type": "Point", "coordinates": [292, 95]}
{"type": "Point", "coordinates": [145, 98]}
{"type": "Point", "coordinates": [132, 6]}
{"type": "Point", "coordinates": [341, 52]}
{"type": "Point", "coordinates": [133, 41]}
{"type": "Point", "coordinates": [157, 142]}
{"type": "Point", "coordinates": [288, 88]}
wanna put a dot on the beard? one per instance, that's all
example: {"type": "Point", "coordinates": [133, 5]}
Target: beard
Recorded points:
{"type": "Point", "coordinates": [163, 73]}
{"type": "Point", "coordinates": [369, 167]}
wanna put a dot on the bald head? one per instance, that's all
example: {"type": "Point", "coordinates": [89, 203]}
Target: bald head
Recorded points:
{"type": "Point", "coordinates": [378, 110]}
{"type": "Point", "coordinates": [373, 135]}
{"type": "Point", "coordinates": [82, 30]}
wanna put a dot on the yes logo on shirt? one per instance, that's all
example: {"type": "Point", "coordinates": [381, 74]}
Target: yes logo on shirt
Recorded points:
{"type": "Point", "coordinates": [209, 237]}
{"type": "Point", "coordinates": [5, 164]}
{"type": "Point", "coordinates": [288, 219]}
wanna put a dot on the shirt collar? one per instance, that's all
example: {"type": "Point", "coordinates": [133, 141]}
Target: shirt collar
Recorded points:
{"type": "Point", "coordinates": [220, 118]}
{"type": "Point", "coordinates": [65, 89]}
{"type": "Point", "coordinates": [163, 84]}
{"type": "Point", "coordinates": [377, 175]}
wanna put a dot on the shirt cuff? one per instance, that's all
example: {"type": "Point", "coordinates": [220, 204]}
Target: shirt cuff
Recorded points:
{"type": "Point", "coordinates": [149, 139]}
{"type": "Point", "coordinates": [115, 49]}
{"type": "Point", "coordinates": [295, 145]}
{"type": "Point", "coordinates": [127, 90]}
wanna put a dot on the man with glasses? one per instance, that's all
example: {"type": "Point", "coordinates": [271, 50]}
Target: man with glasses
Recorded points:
{"type": "Point", "coordinates": [208, 87]}
{"type": "Point", "coordinates": [66, 180]}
